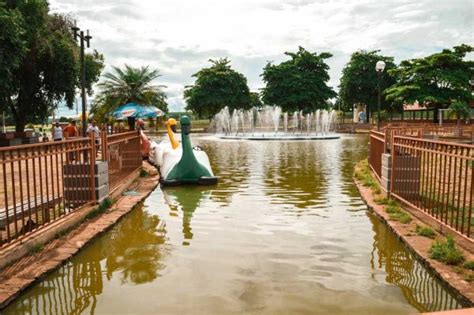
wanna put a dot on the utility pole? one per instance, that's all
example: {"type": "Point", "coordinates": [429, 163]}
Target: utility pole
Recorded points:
{"type": "Point", "coordinates": [82, 38]}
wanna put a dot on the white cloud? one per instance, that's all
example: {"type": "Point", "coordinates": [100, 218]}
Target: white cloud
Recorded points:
{"type": "Point", "coordinates": [179, 36]}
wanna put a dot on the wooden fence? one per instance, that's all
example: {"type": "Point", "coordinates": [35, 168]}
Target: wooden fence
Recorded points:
{"type": "Point", "coordinates": [40, 183]}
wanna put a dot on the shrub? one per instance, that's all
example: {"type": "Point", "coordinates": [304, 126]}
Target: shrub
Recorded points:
{"type": "Point", "coordinates": [446, 252]}
{"type": "Point", "coordinates": [425, 231]}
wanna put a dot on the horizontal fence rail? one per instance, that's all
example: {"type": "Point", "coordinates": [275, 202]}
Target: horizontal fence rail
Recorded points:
{"type": "Point", "coordinates": [40, 183]}
{"type": "Point", "coordinates": [122, 151]}
{"type": "Point", "coordinates": [435, 177]}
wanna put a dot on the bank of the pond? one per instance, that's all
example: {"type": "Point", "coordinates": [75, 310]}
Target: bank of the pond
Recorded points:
{"type": "Point", "coordinates": [420, 245]}
{"type": "Point", "coordinates": [42, 260]}
{"type": "Point", "coordinates": [284, 232]}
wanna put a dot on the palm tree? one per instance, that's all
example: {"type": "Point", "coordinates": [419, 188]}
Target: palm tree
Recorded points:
{"type": "Point", "coordinates": [122, 86]}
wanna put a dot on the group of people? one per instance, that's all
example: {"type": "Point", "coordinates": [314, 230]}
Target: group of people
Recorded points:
{"type": "Point", "coordinates": [59, 133]}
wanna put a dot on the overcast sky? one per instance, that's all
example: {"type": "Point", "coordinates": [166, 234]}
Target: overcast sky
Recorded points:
{"type": "Point", "coordinates": [179, 36]}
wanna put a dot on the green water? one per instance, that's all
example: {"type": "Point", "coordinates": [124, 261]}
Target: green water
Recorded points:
{"type": "Point", "coordinates": [284, 232]}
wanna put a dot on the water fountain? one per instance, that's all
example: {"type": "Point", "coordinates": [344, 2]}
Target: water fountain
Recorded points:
{"type": "Point", "coordinates": [269, 123]}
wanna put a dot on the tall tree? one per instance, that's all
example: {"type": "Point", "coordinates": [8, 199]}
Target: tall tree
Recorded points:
{"type": "Point", "coordinates": [359, 81]}
{"type": "Point", "coordinates": [42, 61]}
{"type": "Point", "coordinates": [255, 100]}
{"type": "Point", "coordinates": [299, 83]}
{"type": "Point", "coordinates": [122, 86]}
{"type": "Point", "coordinates": [435, 81]}
{"type": "Point", "coordinates": [216, 87]}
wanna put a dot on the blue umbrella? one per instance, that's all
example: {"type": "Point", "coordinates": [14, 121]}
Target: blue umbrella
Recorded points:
{"type": "Point", "coordinates": [137, 111]}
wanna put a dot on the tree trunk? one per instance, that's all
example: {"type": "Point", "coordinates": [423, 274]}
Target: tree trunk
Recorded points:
{"type": "Point", "coordinates": [20, 120]}
{"type": "Point", "coordinates": [367, 109]}
{"type": "Point", "coordinates": [436, 114]}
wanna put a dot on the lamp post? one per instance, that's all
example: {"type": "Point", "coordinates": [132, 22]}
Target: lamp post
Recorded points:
{"type": "Point", "coordinates": [379, 67]}
{"type": "Point", "coordinates": [83, 38]}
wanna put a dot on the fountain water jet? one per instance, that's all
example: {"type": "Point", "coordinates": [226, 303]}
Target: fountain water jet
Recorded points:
{"type": "Point", "coordinates": [269, 123]}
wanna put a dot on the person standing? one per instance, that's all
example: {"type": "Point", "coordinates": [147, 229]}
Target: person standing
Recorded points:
{"type": "Point", "coordinates": [57, 132]}
{"type": "Point", "coordinates": [94, 129]}
{"type": "Point", "coordinates": [71, 130]}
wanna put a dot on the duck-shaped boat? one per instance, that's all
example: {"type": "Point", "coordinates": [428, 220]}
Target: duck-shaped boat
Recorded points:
{"type": "Point", "coordinates": [185, 164]}
{"type": "Point", "coordinates": [169, 143]}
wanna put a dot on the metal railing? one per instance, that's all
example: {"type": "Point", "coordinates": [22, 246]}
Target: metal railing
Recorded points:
{"type": "Point", "coordinates": [376, 149]}
{"type": "Point", "coordinates": [435, 177]}
{"type": "Point", "coordinates": [122, 151]}
{"type": "Point", "coordinates": [39, 183]}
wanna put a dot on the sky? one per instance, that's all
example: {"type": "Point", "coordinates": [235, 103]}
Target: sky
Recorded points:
{"type": "Point", "coordinates": [178, 37]}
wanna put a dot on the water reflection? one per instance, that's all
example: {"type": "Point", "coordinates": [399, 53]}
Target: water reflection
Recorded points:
{"type": "Point", "coordinates": [421, 289]}
{"type": "Point", "coordinates": [232, 165]}
{"type": "Point", "coordinates": [285, 231]}
{"type": "Point", "coordinates": [132, 251]}
{"type": "Point", "coordinates": [132, 248]}
{"type": "Point", "coordinates": [292, 174]}
{"type": "Point", "coordinates": [185, 199]}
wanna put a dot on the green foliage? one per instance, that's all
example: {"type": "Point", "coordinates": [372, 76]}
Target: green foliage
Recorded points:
{"type": "Point", "coordinates": [363, 174]}
{"type": "Point", "coordinates": [125, 85]}
{"type": "Point", "coordinates": [400, 216]}
{"type": "Point", "coordinates": [100, 209]}
{"type": "Point", "coordinates": [469, 265]}
{"type": "Point", "coordinates": [393, 203]}
{"type": "Point", "coordinates": [460, 110]}
{"type": "Point", "coordinates": [39, 64]}
{"type": "Point", "coordinates": [143, 173]}
{"type": "Point", "coordinates": [359, 81]}
{"type": "Point", "coordinates": [299, 83]}
{"type": "Point", "coordinates": [425, 231]}
{"type": "Point", "coordinates": [255, 100]}
{"type": "Point", "coordinates": [396, 213]}
{"type": "Point", "coordinates": [36, 248]}
{"type": "Point", "coordinates": [216, 87]}
{"type": "Point", "coordinates": [435, 81]}
{"type": "Point", "coordinates": [446, 252]}
{"type": "Point", "coordinates": [381, 200]}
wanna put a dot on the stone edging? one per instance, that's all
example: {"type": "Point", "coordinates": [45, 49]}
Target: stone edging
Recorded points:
{"type": "Point", "coordinates": [419, 246]}
{"type": "Point", "coordinates": [17, 277]}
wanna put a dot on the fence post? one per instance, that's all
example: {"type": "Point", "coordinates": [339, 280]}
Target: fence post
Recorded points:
{"type": "Point", "coordinates": [92, 166]}
{"type": "Point", "coordinates": [392, 173]}
{"type": "Point", "coordinates": [104, 145]}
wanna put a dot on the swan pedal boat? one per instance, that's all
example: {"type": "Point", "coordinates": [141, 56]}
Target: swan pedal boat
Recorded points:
{"type": "Point", "coordinates": [181, 163]}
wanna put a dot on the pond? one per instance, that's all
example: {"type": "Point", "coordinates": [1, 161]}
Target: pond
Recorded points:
{"type": "Point", "coordinates": [284, 232]}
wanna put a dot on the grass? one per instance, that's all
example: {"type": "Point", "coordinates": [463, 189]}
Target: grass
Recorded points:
{"type": "Point", "coordinates": [396, 213]}
{"type": "Point", "coordinates": [381, 200]}
{"type": "Point", "coordinates": [446, 252]}
{"type": "Point", "coordinates": [100, 209]}
{"type": "Point", "coordinates": [144, 173]}
{"type": "Point", "coordinates": [425, 231]}
{"type": "Point", "coordinates": [36, 248]}
{"type": "Point", "coordinates": [469, 265]}
{"type": "Point", "coordinates": [363, 174]}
